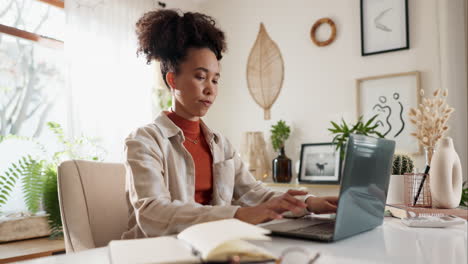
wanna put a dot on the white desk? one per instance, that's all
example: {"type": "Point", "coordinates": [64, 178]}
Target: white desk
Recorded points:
{"type": "Point", "coordinates": [392, 242]}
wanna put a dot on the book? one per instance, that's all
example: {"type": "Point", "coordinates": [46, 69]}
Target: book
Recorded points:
{"type": "Point", "coordinates": [401, 211]}
{"type": "Point", "coordinates": [215, 241]}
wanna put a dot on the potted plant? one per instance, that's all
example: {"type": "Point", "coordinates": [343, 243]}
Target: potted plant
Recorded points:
{"type": "Point", "coordinates": [343, 131]}
{"type": "Point", "coordinates": [401, 164]}
{"type": "Point", "coordinates": [431, 119]}
{"type": "Point", "coordinates": [38, 176]}
{"type": "Point", "coordinates": [281, 165]}
{"type": "Point", "coordinates": [464, 199]}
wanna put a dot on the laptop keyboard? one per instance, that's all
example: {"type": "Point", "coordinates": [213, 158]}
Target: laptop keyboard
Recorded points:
{"type": "Point", "coordinates": [317, 229]}
{"type": "Point", "coordinates": [321, 231]}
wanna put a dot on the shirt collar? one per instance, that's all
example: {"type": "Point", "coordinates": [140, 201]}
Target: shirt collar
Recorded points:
{"type": "Point", "coordinates": [169, 129]}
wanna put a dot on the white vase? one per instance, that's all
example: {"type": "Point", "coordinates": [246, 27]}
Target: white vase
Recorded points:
{"type": "Point", "coordinates": [446, 175]}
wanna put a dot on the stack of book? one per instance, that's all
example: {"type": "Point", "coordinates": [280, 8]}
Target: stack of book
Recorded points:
{"type": "Point", "coordinates": [401, 211]}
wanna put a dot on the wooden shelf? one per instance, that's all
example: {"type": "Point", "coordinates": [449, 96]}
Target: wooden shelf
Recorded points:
{"type": "Point", "coordinates": [29, 249]}
{"type": "Point", "coordinates": [315, 189]}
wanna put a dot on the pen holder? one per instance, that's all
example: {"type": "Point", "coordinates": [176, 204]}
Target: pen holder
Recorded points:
{"type": "Point", "coordinates": [412, 185]}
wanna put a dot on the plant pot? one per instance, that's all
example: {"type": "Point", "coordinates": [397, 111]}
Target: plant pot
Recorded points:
{"type": "Point", "coordinates": [282, 168]}
{"type": "Point", "coordinates": [396, 190]}
{"type": "Point", "coordinates": [23, 227]}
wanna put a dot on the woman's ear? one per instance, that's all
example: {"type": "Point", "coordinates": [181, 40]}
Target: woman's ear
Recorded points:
{"type": "Point", "coordinates": [170, 78]}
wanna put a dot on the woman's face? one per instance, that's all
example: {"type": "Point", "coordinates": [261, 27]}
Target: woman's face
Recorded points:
{"type": "Point", "coordinates": [195, 86]}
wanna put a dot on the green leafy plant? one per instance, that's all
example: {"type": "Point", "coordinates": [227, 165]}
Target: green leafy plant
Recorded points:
{"type": "Point", "coordinates": [51, 201]}
{"type": "Point", "coordinates": [8, 182]}
{"type": "Point", "coordinates": [343, 131]}
{"type": "Point", "coordinates": [279, 134]}
{"type": "Point", "coordinates": [32, 181]}
{"type": "Point", "coordinates": [39, 176]}
{"type": "Point", "coordinates": [73, 148]}
{"type": "Point", "coordinates": [402, 164]}
{"type": "Point", "coordinates": [464, 199]}
{"type": "Point", "coordinates": [30, 172]}
{"type": "Point", "coordinates": [3, 138]}
{"type": "Point", "coordinates": [164, 98]}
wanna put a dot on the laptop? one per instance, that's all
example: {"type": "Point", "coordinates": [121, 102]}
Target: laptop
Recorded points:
{"type": "Point", "coordinates": [366, 172]}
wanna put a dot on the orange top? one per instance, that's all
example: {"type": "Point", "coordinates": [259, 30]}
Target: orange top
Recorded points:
{"type": "Point", "coordinates": [197, 146]}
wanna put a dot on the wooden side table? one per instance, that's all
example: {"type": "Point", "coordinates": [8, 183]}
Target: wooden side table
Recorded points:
{"type": "Point", "coordinates": [29, 249]}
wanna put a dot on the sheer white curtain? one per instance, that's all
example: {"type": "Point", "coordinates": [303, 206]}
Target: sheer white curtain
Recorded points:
{"type": "Point", "coordinates": [466, 59]}
{"type": "Point", "coordinates": [453, 70]}
{"type": "Point", "coordinates": [109, 87]}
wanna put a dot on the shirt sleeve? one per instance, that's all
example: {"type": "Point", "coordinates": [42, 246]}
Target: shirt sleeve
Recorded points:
{"type": "Point", "coordinates": [304, 199]}
{"type": "Point", "coordinates": [247, 190]}
{"type": "Point", "coordinates": [250, 192]}
{"type": "Point", "coordinates": [155, 212]}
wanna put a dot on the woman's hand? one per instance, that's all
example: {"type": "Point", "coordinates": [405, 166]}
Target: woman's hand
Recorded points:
{"type": "Point", "coordinates": [272, 209]}
{"type": "Point", "coordinates": [322, 205]}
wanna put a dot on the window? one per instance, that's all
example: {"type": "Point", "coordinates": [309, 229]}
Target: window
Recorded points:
{"type": "Point", "coordinates": [31, 65]}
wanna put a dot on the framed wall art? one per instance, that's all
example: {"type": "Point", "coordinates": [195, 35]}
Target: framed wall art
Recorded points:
{"type": "Point", "coordinates": [384, 26]}
{"type": "Point", "coordinates": [319, 164]}
{"type": "Point", "coordinates": [391, 96]}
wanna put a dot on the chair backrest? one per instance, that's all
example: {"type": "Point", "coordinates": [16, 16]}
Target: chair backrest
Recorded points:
{"type": "Point", "coordinates": [92, 203]}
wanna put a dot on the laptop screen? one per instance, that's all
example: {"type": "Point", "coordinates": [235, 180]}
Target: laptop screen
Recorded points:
{"type": "Point", "coordinates": [366, 173]}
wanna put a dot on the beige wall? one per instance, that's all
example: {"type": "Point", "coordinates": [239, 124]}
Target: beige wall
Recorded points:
{"type": "Point", "coordinates": [319, 83]}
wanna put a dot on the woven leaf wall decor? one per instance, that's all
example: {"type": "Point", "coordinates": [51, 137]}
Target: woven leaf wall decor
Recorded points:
{"type": "Point", "coordinates": [265, 71]}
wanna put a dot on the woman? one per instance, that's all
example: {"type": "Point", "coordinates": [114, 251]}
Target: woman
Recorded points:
{"type": "Point", "coordinates": [180, 172]}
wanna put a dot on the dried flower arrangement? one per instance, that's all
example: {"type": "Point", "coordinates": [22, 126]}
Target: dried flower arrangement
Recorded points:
{"type": "Point", "coordinates": [431, 119]}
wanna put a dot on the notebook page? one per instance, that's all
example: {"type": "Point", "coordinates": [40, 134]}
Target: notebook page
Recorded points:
{"type": "Point", "coordinates": [247, 252]}
{"type": "Point", "coordinates": [207, 236]}
{"type": "Point", "coordinates": [151, 250]}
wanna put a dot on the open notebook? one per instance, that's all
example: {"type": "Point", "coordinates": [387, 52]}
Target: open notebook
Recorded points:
{"type": "Point", "coordinates": [212, 241]}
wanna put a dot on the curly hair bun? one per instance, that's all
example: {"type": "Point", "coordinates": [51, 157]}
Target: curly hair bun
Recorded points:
{"type": "Point", "coordinates": [166, 34]}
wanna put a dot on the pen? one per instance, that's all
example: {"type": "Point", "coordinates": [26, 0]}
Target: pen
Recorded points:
{"type": "Point", "coordinates": [426, 171]}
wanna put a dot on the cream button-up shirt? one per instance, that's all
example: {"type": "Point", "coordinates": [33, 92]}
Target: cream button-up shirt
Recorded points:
{"type": "Point", "coordinates": [160, 183]}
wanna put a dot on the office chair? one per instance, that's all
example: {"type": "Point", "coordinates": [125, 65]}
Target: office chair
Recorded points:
{"type": "Point", "coordinates": [92, 203]}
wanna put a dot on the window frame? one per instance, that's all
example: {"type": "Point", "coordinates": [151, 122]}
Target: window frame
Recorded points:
{"type": "Point", "coordinates": [39, 39]}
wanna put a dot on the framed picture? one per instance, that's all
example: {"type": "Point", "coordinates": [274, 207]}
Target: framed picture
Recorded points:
{"type": "Point", "coordinates": [391, 96]}
{"type": "Point", "coordinates": [384, 26]}
{"type": "Point", "coordinates": [320, 164]}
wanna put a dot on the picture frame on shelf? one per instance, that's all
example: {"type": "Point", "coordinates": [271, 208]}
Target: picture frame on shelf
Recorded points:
{"type": "Point", "coordinates": [320, 163]}
{"type": "Point", "coordinates": [384, 26]}
{"type": "Point", "coordinates": [391, 96]}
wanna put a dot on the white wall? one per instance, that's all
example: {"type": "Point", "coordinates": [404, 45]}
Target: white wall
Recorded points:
{"type": "Point", "coordinates": [319, 83]}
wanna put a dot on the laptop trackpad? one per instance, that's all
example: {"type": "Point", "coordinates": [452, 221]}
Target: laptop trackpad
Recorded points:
{"type": "Point", "coordinates": [292, 224]}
